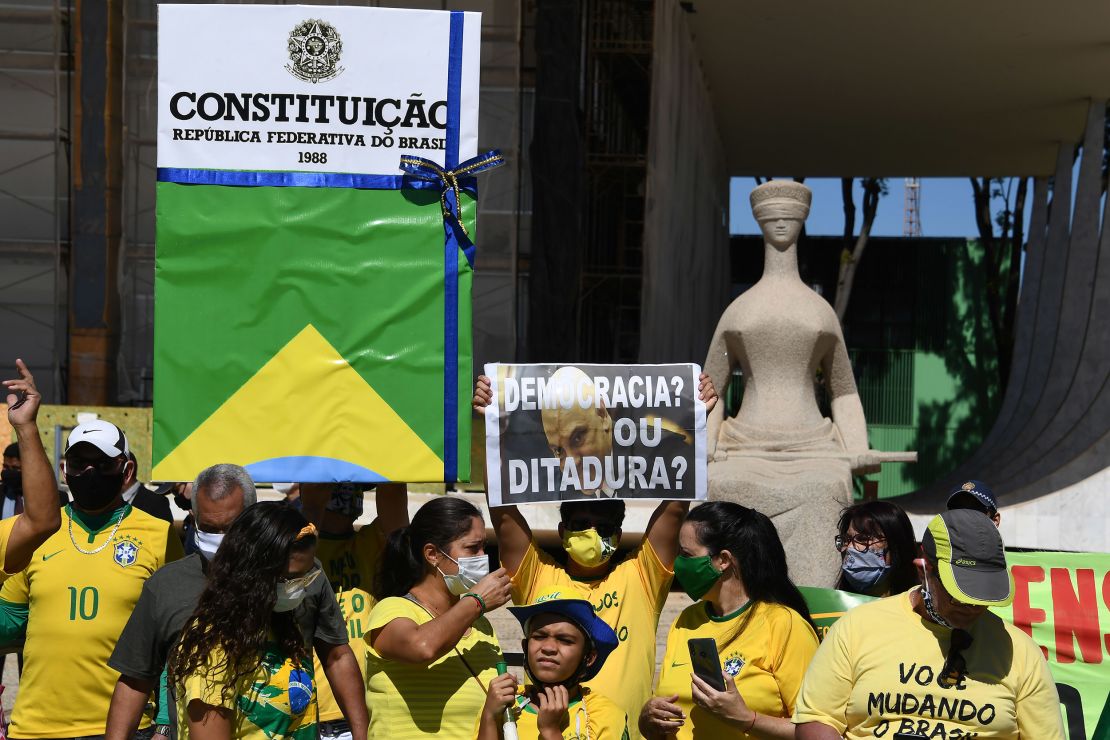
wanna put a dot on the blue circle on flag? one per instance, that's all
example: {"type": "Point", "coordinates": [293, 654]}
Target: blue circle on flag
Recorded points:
{"type": "Point", "coordinates": [300, 690]}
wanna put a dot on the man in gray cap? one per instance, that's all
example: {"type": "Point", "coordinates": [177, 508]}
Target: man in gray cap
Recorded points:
{"type": "Point", "coordinates": [977, 496]}
{"type": "Point", "coordinates": [934, 662]}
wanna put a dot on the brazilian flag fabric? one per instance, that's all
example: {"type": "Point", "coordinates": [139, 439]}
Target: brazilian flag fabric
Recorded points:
{"type": "Point", "coordinates": [312, 315]}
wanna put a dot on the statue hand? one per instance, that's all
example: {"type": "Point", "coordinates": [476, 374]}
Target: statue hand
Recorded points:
{"type": "Point", "coordinates": [864, 462]}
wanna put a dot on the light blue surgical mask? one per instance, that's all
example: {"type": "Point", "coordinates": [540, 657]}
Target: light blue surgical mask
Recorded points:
{"type": "Point", "coordinates": [471, 570]}
{"type": "Point", "coordinates": [864, 570]}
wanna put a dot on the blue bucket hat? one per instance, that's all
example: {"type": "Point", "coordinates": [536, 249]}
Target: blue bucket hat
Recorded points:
{"type": "Point", "coordinates": [579, 611]}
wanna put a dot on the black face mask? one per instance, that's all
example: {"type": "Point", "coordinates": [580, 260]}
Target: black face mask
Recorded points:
{"type": "Point", "coordinates": [13, 482]}
{"type": "Point", "coordinates": [93, 490]}
{"type": "Point", "coordinates": [182, 503]}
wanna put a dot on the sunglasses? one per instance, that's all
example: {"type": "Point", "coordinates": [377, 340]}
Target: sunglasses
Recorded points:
{"type": "Point", "coordinates": [301, 581]}
{"type": "Point", "coordinates": [106, 465]}
{"type": "Point", "coordinates": [955, 665]}
{"type": "Point", "coordinates": [602, 528]}
{"type": "Point", "coordinates": [859, 542]}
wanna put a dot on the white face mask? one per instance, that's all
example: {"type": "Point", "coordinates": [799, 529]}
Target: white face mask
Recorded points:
{"type": "Point", "coordinates": [291, 593]}
{"type": "Point", "coordinates": [471, 570]}
{"type": "Point", "coordinates": [207, 543]}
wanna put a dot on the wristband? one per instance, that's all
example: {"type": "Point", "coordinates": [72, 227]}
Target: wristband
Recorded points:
{"type": "Point", "coordinates": [755, 716]}
{"type": "Point", "coordinates": [481, 601]}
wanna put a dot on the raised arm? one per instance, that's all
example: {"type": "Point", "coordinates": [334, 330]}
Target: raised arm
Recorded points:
{"type": "Point", "coordinates": [662, 529]}
{"type": "Point", "coordinates": [41, 515]}
{"type": "Point", "coordinates": [513, 532]}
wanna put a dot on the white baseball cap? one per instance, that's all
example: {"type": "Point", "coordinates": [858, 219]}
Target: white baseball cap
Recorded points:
{"type": "Point", "coordinates": [104, 435]}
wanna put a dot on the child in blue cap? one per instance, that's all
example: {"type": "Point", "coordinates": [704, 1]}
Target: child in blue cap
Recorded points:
{"type": "Point", "coordinates": [565, 643]}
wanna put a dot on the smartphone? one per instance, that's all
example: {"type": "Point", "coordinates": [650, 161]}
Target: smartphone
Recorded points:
{"type": "Point", "coordinates": [706, 662]}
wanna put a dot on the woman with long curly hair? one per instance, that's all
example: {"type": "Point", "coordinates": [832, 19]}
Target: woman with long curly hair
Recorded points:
{"type": "Point", "coordinates": [242, 668]}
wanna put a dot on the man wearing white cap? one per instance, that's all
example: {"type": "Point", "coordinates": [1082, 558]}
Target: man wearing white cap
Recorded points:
{"type": "Point", "coordinates": [21, 535]}
{"type": "Point", "coordinates": [74, 598]}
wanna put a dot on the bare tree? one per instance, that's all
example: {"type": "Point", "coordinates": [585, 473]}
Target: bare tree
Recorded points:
{"type": "Point", "coordinates": [873, 189]}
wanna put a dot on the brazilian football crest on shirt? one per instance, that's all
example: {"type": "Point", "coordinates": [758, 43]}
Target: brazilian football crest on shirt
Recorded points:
{"type": "Point", "coordinates": [314, 49]}
{"type": "Point", "coordinates": [733, 664]}
{"type": "Point", "coordinates": [126, 551]}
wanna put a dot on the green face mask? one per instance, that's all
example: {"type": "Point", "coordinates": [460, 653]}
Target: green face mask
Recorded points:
{"type": "Point", "coordinates": [695, 575]}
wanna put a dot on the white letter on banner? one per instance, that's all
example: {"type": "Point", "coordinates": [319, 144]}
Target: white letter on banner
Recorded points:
{"type": "Point", "coordinates": [518, 476]}
{"type": "Point", "coordinates": [624, 431]}
{"type": "Point", "coordinates": [651, 441]}
{"type": "Point", "coordinates": [601, 392]}
{"type": "Point", "coordinates": [528, 394]}
{"type": "Point", "coordinates": [659, 474]}
{"type": "Point", "coordinates": [620, 400]}
{"type": "Point", "coordinates": [662, 392]}
{"type": "Point", "coordinates": [545, 394]}
{"type": "Point", "coordinates": [635, 399]}
{"type": "Point", "coordinates": [585, 400]}
{"type": "Point", "coordinates": [512, 395]}
{"type": "Point", "coordinates": [570, 476]}
{"type": "Point", "coordinates": [591, 473]}
{"type": "Point", "coordinates": [550, 464]}
{"type": "Point", "coordinates": [637, 466]}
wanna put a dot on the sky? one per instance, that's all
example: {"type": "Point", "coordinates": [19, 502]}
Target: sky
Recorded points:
{"type": "Point", "coordinates": [946, 207]}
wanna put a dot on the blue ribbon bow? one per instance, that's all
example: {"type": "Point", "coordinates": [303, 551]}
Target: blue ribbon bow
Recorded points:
{"type": "Point", "coordinates": [425, 169]}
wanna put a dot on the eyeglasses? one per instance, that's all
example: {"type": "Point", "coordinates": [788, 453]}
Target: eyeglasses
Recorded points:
{"type": "Point", "coordinates": [301, 581]}
{"type": "Point", "coordinates": [955, 665]}
{"type": "Point", "coordinates": [859, 542]}
{"type": "Point", "coordinates": [602, 528]}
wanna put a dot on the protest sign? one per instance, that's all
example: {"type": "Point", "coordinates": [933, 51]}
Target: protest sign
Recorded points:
{"type": "Point", "coordinates": [1062, 600]}
{"type": "Point", "coordinates": [561, 432]}
{"type": "Point", "coordinates": [312, 314]}
{"type": "Point", "coordinates": [826, 605]}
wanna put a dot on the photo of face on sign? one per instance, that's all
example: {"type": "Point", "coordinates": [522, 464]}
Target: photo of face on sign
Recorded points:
{"type": "Point", "coordinates": [597, 430]}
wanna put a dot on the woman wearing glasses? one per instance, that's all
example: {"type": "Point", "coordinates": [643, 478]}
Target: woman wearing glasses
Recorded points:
{"type": "Point", "coordinates": [934, 662]}
{"type": "Point", "coordinates": [877, 549]}
{"type": "Point", "coordinates": [432, 652]}
{"type": "Point", "coordinates": [243, 668]}
{"type": "Point", "coordinates": [732, 564]}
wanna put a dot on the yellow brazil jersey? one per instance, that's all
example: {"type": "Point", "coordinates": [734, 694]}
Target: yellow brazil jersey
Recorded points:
{"type": "Point", "coordinates": [440, 700]}
{"type": "Point", "coordinates": [277, 701]}
{"type": "Point", "coordinates": [349, 564]}
{"type": "Point", "coordinates": [589, 717]}
{"type": "Point", "coordinates": [77, 604]}
{"type": "Point", "coordinates": [764, 647]}
{"type": "Point", "coordinates": [629, 599]}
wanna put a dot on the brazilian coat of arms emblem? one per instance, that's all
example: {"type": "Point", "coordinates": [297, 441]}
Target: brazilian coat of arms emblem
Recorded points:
{"type": "Point", "coordinates": [314, 50]}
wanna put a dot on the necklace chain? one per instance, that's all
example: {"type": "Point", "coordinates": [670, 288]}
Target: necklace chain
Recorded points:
{"type": "Point", "coordinates": [103, 544]}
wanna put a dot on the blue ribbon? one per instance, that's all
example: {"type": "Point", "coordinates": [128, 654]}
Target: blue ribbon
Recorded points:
{"type": "Point", "coordinates": [451, 258]}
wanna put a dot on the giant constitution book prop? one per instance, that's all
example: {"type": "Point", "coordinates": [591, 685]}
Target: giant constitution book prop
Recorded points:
{"type": "Point", "coordinates": [565, 432]}
{"type": "Point", "coordinates": [314, 253]}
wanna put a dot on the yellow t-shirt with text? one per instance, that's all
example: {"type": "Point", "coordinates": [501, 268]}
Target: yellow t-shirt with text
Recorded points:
{"type": "Point", "coordinates": [349, 564]}
{"type": "Point", "coordinates": [277, 701]}
{"type": "Point", "coordinates": [764, 647]}
{"type": "Point", "coordinates": [589, 717]}
{"type": "Point", "coordinates": [77, 605]}
{"type": "Point", "coordinates": [441, 700]}
{"type": "Point", "coordinates": [629, 599]}
{"type": "Point", "coordinates": [876, 674]}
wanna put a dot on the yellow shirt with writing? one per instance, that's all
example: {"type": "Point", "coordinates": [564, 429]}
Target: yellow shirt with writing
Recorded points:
{"type": "Point", "coordinates": [589, 717]}
{"type": "Point", "coordinates": [277, 701]}
{"type": "Point", "coordinates": [629, 598]}
{"type": "Point", "coordinates": [764, 647]}
{"type": "Point", "coordinates": [875, 674]}
{"type": "Point", "coordinates": [77, 606]}
{"type": "Point", "coordinates": [349, 564]}
{"type": "Point", "coordinates": [441, 700]}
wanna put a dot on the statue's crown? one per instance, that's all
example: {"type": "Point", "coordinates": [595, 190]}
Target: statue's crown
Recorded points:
{"type": "Point", "coordinates": [782, 191]}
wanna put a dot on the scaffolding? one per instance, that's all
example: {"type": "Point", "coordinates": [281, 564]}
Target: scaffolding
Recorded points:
{"type": "Point", "coordinates": [911, 211]}
{"type": "Point", "coordinates": [616, 90]}
{"type": "Point", "coordinates": [36, 60]}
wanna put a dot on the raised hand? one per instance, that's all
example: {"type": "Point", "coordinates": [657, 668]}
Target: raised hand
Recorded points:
{"type": "Point", "coordinates": [483, 395]}
{"type": "Point", "coordinates": [552, 710]}
{"type": "Point", "coordinates": [706, 392]}
{"type": "Point", "coordinates": [23, 397]}
{"type": "Point", "coordinates": [494, 589]}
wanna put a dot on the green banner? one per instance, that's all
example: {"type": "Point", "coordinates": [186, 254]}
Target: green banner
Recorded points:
{"type": "Point", "coordinates": [1062, 601]}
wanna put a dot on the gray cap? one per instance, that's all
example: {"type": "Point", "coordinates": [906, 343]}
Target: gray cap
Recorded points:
{"type": "Point", "coordinates": [970, 557]}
